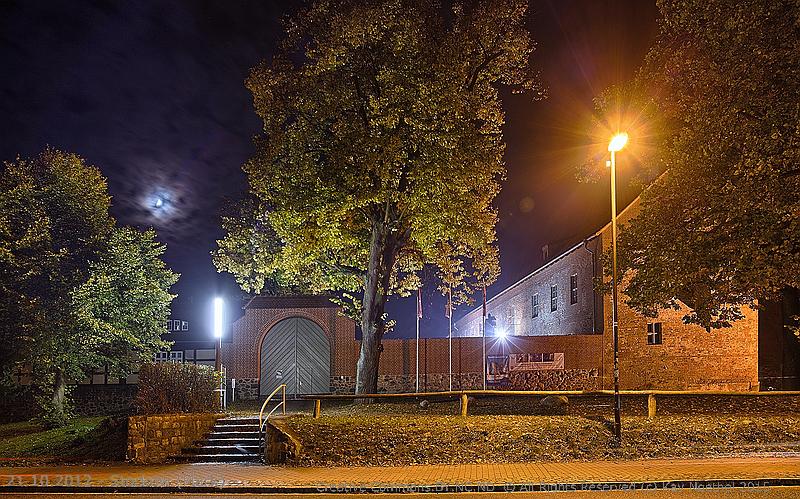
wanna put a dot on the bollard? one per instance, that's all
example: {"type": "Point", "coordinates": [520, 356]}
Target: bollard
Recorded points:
{"type": "Point", "coordinates": [651, 406]}
{"type": "Point", "coordinates": [464, 403]}
{"type": "Point", "coordinates": [317, 408]}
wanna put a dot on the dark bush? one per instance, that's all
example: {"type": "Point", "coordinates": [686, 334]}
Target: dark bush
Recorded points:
{"type": "Point", "coordinates": [171, 388]}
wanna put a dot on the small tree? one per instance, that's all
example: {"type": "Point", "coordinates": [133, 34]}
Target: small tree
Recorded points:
{"type": "Point", "coordinates": [382, 152]}
{"type": "Point", "coordinates": [76, 291]}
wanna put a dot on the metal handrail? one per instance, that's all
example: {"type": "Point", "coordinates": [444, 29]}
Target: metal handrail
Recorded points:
{"type": "Point", "coordinates": [262, 421]}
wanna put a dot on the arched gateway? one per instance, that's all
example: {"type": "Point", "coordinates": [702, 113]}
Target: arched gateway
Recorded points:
{"type": "Point", "coordinates": [297, 353]}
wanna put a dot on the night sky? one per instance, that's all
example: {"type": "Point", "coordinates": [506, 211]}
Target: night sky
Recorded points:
{"type": "Point", "coordinates": [153, 94]}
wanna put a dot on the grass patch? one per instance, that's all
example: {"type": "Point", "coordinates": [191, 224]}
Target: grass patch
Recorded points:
{"type": "Point", "coordinates": [82, 439]}
{"type": "Point", "coordinates": [375, 435]}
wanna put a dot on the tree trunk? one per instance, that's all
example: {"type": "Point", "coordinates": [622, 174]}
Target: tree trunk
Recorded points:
{"type": "Point", "coordinates": [382, 256]}
{"type": "Point", "coordinates": [59, 388]}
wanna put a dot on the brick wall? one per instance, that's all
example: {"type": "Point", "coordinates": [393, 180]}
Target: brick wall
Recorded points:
{"type": "Point", "coordinates": [241, 354]}
{"type": "Point", "coordinates": [397, 368]}
{"type": "Point", "coordinates": [690, 358]}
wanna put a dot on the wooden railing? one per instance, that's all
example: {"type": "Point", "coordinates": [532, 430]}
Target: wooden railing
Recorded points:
{"type": "Point", "coordinates": [464, 395]}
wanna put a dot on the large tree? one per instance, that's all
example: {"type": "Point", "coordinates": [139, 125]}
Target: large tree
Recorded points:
{"type": "Point", "coordinates": [382, 151]}
{"type": "Point", "coordinates": [720, 228]}
{"type": "Point", "coordinates": [76, 291]}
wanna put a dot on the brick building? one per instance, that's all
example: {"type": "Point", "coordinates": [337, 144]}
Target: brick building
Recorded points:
{"type": "Point", "coordinates": [552, 331]}
{"type": "Point", "coordinates": [655, 353]}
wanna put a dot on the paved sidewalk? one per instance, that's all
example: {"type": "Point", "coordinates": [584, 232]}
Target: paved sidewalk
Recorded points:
{"type": "Point", "coordinates": [733, 471]}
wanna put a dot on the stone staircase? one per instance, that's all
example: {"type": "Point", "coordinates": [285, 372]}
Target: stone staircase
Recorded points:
{"type": "Point", "coordinates": [232, 440]}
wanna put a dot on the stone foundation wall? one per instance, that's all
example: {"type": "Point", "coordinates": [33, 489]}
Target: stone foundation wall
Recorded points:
{"type": "Point", "coordinates": [155, 438]}
{"type": "Point", "coordinates": [246, 388]}
{"type": "Point", "coordinates": [406, 383]}
{"type": "Point", "coordinates": [568, 379]}
{"type": "Point", "coordinates": [103, 400]}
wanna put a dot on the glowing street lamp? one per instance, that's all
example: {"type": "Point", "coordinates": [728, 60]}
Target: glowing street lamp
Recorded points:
{"type": "Point", "coordinates": [616, 144]}
{"type": "Point", "coordinates": [219, 305]}
{"type": "Point", "coordinates": [618, 141]}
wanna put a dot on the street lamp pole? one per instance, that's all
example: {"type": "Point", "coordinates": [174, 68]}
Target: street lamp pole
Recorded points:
{"type": "Point", "coordinates": [616, 144]}
{"type": "Point", "coordinates": [219, 306]}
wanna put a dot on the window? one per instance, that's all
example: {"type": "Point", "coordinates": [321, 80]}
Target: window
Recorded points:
{"type": "Point", "coordinates": [573, 289]}
{"type": "Point", "coordinates": [654, 333]}
{"type": "Point", "coordinates": [161, 356]}
{"type": "Point", "coordinates": [176, 356]}
{"type": "Point", "coordinates": [511, 316]}
{"type": "Point", "coordinates": [184, 325]}
{"type": "Point", "coordinates": [554, 297]}
{"type": "Point", "coordinates": [535, 305]}
{"type": "Point", "coordinates": [176, 325]}
{"type": "Point", "coordinates": [541, 357]}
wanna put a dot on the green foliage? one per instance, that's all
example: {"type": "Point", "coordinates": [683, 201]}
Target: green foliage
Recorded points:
{"type": "Point", "coordinates": [381, 152]}
{"type": "Point", "coordinates": [80, 439]}
{"type": "Point", "coordinates": [76, 292]}
{"type": "Point", "coordinates": [125, 301]}
{"type": "Point", "coordinates": [166, 388]}
{"type": "Point", "coordinates": [721, 228]}
{"type": "Point", "coordinates": [53, 412]}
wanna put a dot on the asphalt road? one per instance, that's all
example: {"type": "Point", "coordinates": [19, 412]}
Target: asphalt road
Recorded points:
{"type": "Point", "coordinates": [731, 493]}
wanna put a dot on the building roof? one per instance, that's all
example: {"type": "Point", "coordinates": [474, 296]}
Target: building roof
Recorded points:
{"type": "Point", "coordinates": [291, 301]}
{"type": "Point", "coordinates": [540, 269]}
{"type": "Point", "coordinates": [596, 234]}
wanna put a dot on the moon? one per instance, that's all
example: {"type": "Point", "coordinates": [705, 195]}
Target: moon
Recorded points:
{"type": "Point", "coordinates": [159, 203]}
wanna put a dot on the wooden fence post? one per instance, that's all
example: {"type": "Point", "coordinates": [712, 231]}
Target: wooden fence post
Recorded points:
{"type": "Point", "coordinates": [651, 406]}
{"type": "Point", "coordinates": [317, 408]}
{"type": "Point", "coordinates": [464, 403]}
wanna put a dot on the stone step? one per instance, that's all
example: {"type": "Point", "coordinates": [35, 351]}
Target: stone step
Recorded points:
{"type": "Point", "coordinates": [231, 440]}
{"type": "Point", "coordinates": [220, 458]}
{"type": "Point", "coordinates": [238, 427]}
{"type": "Point", "coordinates": [223, 449]}
{"type": "Point", "coordinates": [235, 421]}
{"type": "Point", "coordinates": [233, 434]}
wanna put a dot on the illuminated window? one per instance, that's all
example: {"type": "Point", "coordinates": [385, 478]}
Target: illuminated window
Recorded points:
{"type": "Point", "coordinates": [176, 325]}
{"type": "Point", "coordinates": [554, 297]}
{"type": "Point", "coordinates": [541, 357]}
{"type": "Point", "coordinates": [573, 289]}
{"type": "Point", "coordinates": [654, 333]}
{"type": "Point", "coordinates": [535, 305]}
{"type": "Point", "coordinates": [184, 325]}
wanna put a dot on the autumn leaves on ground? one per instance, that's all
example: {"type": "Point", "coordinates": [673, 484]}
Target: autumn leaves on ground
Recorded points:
{"type": "Point", "coordinates": [398, 434]}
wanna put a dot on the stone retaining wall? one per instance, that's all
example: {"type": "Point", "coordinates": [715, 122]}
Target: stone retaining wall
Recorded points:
{"type": "Point", "coordinates": [567, 379]}
{"type": "Point", "coordinates": [103, 400]}
{"type": "Point", "coordinates": [154, 438]}
{"type": "Point", "coordinates": [406, 383]}
{"type": "Point", "coordinates": [246, 388]}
